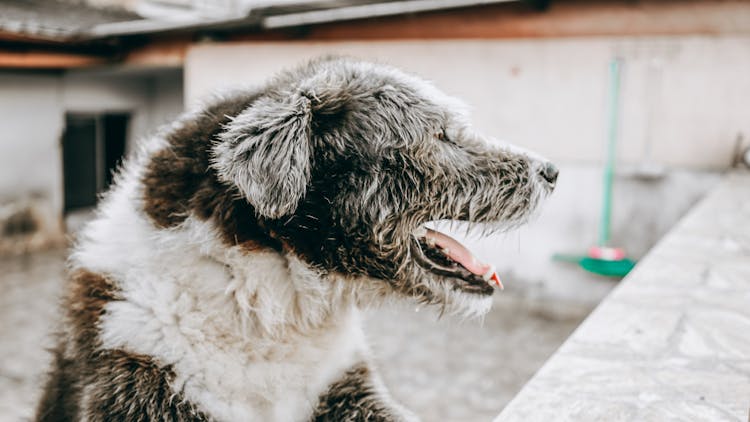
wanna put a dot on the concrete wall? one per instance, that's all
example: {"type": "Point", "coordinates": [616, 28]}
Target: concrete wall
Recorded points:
{"type": "Point", "coordinates": [30, 166]}
{"type": "Point", "coordinates": [153, 98]}
{"type": "Point", "coordinates": [32, 117]}
{"type": "Point", "coordinates": [684, 100]}
{"type": "Point", "coordinates": [166, 97]}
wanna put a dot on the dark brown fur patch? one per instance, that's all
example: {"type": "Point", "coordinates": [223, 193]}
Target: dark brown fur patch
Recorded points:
{"type": "Point", "coordinates": [62, 391]}
{"type": "Point", "coordinates": [130, 387]}
{"type": "Point", "coordinates": [179, 180]}
{"type": "Point", "coordinates": [114, 384]}
{"type": "Point", "coordinates": [88, 294]}
{"type": "Point", "coordinates": [352, 399]}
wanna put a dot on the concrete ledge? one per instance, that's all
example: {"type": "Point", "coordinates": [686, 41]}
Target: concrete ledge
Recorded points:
{"type": "Point", "coordinates": [672, 342]}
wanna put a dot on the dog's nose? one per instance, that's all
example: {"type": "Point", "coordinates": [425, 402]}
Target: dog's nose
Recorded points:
{"type": "Point", "coordinates": [549, 172]}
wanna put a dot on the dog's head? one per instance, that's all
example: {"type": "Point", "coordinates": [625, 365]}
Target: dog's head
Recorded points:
{"type": "Point", "coordinates": [344, 162]}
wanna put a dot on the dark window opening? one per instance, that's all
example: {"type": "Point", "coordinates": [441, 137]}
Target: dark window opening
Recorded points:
{"type": "Point", "coordinates": [93, 146]}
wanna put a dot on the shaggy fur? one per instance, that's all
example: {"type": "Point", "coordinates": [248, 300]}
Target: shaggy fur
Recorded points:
{"type": "Point", "coordinates": [223, 276]}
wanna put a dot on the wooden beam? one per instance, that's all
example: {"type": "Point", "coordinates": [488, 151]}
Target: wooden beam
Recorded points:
{"type": "Point", "coordinates": [564, 18]}
{"type": "Point", "coordinates": [47, 60]}
{"type": "Point", "coordinates": [159, 53]}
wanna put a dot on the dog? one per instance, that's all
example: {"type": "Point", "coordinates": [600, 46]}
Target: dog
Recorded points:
{"type": "Point", "coordinates": [223, 276]}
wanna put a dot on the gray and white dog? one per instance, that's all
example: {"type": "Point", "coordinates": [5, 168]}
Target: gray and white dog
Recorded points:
{"type": "Point", "coordinates": [224, 273]}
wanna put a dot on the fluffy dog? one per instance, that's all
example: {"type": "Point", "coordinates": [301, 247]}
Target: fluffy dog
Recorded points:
{"type": "Point", "coordinates": [223, 275]}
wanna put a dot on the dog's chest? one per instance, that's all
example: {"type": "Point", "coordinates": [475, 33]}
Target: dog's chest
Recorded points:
{"type": "Point", "coordinates": [190, 321]}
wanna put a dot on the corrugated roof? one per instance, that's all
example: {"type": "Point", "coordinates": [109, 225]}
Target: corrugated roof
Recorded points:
{"type": "Point", "coordinates": [55, 19]}
{"type": "Point", "coordinates": [59, 20]}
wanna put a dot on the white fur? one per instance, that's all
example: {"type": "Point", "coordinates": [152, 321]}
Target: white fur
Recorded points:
{"type": "Point", "coordinates": [250, 336]}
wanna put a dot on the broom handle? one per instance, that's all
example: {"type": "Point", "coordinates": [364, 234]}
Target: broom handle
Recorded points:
{"type": "Point", "coordinates": [614, 97]}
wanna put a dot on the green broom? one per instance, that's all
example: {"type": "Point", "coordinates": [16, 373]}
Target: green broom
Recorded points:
{"type": "Point", "coordinates": [603, 259]}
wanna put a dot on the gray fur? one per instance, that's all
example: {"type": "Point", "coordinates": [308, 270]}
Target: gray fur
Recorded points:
{"type": "Point", "coordinates": [359, 156]}
{"type": "Point", "coordinates": [265, 152]}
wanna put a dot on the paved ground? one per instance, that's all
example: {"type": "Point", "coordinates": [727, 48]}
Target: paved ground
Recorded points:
{"type": "Point", "coordinates": [443, 369]}
{"type": "Point", "coordinates": [28, 310]}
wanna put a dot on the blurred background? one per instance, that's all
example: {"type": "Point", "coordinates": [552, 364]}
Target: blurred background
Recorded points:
{"type": "Point", "coordinates": [81, 81]}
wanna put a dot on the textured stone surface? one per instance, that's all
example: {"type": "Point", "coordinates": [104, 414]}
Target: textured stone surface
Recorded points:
{"type": "Point", "coordinates": [672, 342]}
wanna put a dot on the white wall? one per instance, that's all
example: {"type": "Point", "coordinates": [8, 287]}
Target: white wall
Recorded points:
{"type": "Point", "coordinates": [31, 125]}
{"type": "Point", "coordinates": [166, 97]}
{"type": "Point", "coordinates": [31, 121]}
{"type": "Point", "coordinates": [153, 98]}
{"type": "Point", "coordinates": [32, 118]}
{"type": "Point", "coordinates": [550, 94]}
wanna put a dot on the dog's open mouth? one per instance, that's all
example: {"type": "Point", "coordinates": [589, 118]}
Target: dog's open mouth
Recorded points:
{"type": "Point", "coordinates": [445, 256]}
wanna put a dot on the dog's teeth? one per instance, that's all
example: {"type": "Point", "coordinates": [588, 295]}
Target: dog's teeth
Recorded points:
{"type": "Point", "coordinates": [447, 251]}
{"type": "Point", "coordinates": [491, 278]}
{"type": "Point", "coordinates": [488, 274]}
{"type": "Point", "coordinates": [420, 231]}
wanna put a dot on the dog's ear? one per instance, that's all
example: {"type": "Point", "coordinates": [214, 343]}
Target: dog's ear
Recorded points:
{"type": "Point", "coordinates": [265, 152]}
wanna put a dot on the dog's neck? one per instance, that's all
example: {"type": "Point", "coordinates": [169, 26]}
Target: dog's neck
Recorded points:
{"type": "Point", "coordinates": [267, 292]}
{"type": "Point", "coordinates": [277, 294]}
{"type": "Point", "coordinates": [246, 332]}
{"type": "Point", "coordinates": [270, 291]}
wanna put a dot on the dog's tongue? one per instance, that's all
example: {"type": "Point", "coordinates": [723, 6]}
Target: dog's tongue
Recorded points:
{"type": "Point", "coordinates": [458, 252]}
